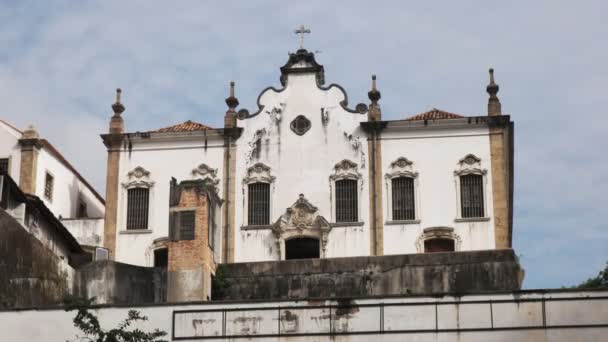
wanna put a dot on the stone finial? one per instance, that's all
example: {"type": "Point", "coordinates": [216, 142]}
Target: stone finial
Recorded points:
{"type": "Point", "coordinates": [494, 106]}
{"type": "Point", "coordinates": [118, 107]}
{"type": "Point", "coordinates": [374, 95]}
{"type": "Point", "coordinates": [231, 100]}
{"type": "Point", "coordinates": [117, 125]}
{"type": "Point", "coordinates": [30, 133]}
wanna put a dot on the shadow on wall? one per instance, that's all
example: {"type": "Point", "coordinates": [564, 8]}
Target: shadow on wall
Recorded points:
{"type": "Point", "coordinates": [30, 274]}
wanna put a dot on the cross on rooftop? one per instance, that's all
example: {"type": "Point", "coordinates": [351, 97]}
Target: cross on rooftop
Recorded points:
{"type": "Point", "coordinates": [301, 31]}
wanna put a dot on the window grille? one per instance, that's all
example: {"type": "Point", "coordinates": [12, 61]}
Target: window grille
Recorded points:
{"type": "Point", "coordinates": [48, 186]}
{"type": "Point", "coordinates": [259, 204]}
{"type": "Point", "coordinates": [403, 198]}
{"type": "Point", "coordinates": [137, 208]}
{"type": "Point", "coordinates": [4, 165]}
{"type": "Point", "coordinates": [346, 200]}
{"type": "Point", "coordinates": [471, 196]}
{"type": "Point", "coordinates": [186, 225]}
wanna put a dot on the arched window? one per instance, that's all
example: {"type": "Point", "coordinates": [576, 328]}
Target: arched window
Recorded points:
{"type": "Point", "coordinates": [345, 191]}
{"type": "Point", "coordinates": [302, 248]}
{"type": "Point", "coordinates": [401, 180]}
{"type": "Point", "coordinates": [346, 200]}
{"type": "Point", "coordinates": [138, 194]}
{"type": "Point", "coordinates": [138, 200]}
{"type": "Point", "coordinates": [471, 196]}
{"type": "Point", "coordinates": [403, 198]}
{"type": "Point", "coordinates": [258, 187]}
{"type": "Point", "coordinates": [259, 203]}
{"type": "Point", "coordinates": [470, 185]}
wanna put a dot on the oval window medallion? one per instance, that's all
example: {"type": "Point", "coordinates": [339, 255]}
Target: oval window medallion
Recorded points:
{"type": "Point", "coordinates": [300, 125]}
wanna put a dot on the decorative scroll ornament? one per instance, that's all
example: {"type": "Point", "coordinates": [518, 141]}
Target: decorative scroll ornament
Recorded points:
{"type": "Point", "coordinates": [470, 164]}
{"type": "Point", "coordinates": [345, 169]}
{"type": "Point", "coordinates": [206, 173]}
{"type": "Point", "coordinates": [402, 167]}
{"type": "Point", "coordinates": [438, 233]}
{"type": "Point", "coordinates": [258, 173]}
{"type": "Point", "coordinates": [302, 219]}
{"type": "Point", "coordinates": [138, 178]}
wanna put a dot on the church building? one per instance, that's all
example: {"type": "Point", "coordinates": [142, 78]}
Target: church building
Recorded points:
{"type": "Point", "coordinates": [307, 174]}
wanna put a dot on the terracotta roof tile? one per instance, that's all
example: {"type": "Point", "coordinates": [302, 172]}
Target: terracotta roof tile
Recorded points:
{"type": "Point", "coordinates": [187, 126]}
{"type": "Point", "coordinates": [434, 114]}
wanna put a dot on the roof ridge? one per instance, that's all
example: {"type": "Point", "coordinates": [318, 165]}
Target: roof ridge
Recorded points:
{"type": "Point", "coordinates": [434, 114]}
{"type": "Point", "coordinates": [185, 126]}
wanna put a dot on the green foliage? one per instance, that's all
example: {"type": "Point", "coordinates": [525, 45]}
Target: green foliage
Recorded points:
{"type": "Point", "coordinates": [599, 282]}
{"type": "Point", "coordinates": [89, 324]}
{"type": "Point", "coordinates": [219, 283]}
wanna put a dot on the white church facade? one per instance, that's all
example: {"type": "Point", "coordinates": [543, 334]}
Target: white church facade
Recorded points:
{"type": "Point", "coordinates": [308, 175]}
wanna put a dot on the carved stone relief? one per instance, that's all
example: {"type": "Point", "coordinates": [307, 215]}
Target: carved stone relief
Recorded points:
{"type": "Point", "coordinates": [302, 219]}
{"type": "Point", "coordinates": [438, 233]}
{"type": "Point", "coordinates": [470, 164]}
{"type": "Point", "coordinates": [206, 173]}
{"type": "Point", "coordinates": [138, 178]}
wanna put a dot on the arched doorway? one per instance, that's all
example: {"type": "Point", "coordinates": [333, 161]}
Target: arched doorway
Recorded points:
{"type": "Point", "coordinates": [302, 248]}
{"type": "Point", "coordinates": [438, 245]}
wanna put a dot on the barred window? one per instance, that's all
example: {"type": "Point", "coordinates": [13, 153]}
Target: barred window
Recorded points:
{"type": "Point", "coordinates": [259, 204]}
{"type": "Point", "coordinates": [48, 186]}
{"type": "Point", "coordinates": [403, 198]}
{"type": "Point", "coordinates": [346, 200]}
{"type": "Point", "coordinates": [4, 165]}
{"type": "Point", "coordinates": [471, 196]}
{"type": "Point", "coordinates": [137, 208]}
{"type": "Point", "coordinates": [186, 225]}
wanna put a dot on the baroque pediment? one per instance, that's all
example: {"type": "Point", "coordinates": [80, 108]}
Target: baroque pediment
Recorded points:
{"type": "Point", "coordinates": [303, 217]}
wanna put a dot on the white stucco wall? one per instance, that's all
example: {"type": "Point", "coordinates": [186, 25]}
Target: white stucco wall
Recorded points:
{"type": "Point", "coordinates": [163, 159]}
{"type": "Point", "coordinates": [9, 148]}
{"type": "Point", "coordinates": [435, 154]}
{"type": "Point", "coordinates": [548, 315]}
{"type": "Point", "coordinates": [302, 164]}
{"type": "Point", "coordinates": [88, 232]}
{"type": "Point", "coordinates": [68, 190]}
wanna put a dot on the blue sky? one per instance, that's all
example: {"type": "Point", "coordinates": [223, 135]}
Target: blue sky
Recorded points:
{"type": "Point", "coordinates": [60, 62]}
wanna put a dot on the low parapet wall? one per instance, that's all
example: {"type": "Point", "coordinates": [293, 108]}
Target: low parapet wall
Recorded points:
{"type": "Point", "coordinates": [432, 273]}
{"type": "Point", "coordinates": [542, 315]}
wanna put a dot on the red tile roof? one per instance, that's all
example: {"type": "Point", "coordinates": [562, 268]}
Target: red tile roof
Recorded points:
{"type": "Point", "coordinates": [434, 114]}
{"type": "Point", "coordinates": [187, 126]}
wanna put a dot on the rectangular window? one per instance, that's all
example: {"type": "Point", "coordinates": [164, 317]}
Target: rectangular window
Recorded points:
{"type": "Point", "coordinates": [186, 225]}
{"type": "Point", "coordinates": [137, 208]}
{"type": "Point", "coordinates": [258, 204]}
{"type": "Point", "coordinates": [346, 200]}
{"type": "Point", "coordinates": [4, 165]}
{"type": "Point", "coordinates": [48, 186]}
{"type": "Point", "coordinates": [471, 196]}
{"type": "Point", "coordinates": [403, 198]}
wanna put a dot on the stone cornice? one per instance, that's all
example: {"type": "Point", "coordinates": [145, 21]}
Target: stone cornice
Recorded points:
{"type": "Point", "coordinates": [30, 143]}
{"type": "Point", "coordinates": [405, 125]}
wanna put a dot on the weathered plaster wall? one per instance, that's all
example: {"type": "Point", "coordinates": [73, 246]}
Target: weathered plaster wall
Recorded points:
{"type": "Point", "coordinates": [88, 232]}
{"type": "Point", "coordinates": [435, 154]}
{"type": "Point", "coordinates": [31, 273]}
{"type": "Point", "coordinates": [547, 315]}
{"type": "Point", "coordinates": [302, 164]}
{"type": "Point", "coordinates": [164, 158]}
{"type": "Point", "coordinates": [460, 272]}
{"type": "Point", "coordinates": [117, 283]}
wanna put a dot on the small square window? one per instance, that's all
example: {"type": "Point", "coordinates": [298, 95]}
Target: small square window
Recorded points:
{"type": "Point", "coordinates": [4, 165]}
{"type": "Point", "coordinates": [48, 186]}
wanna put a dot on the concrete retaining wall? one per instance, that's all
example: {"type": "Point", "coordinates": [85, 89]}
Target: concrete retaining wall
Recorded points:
{"type": "Point", "coordinates": [433, 273]}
